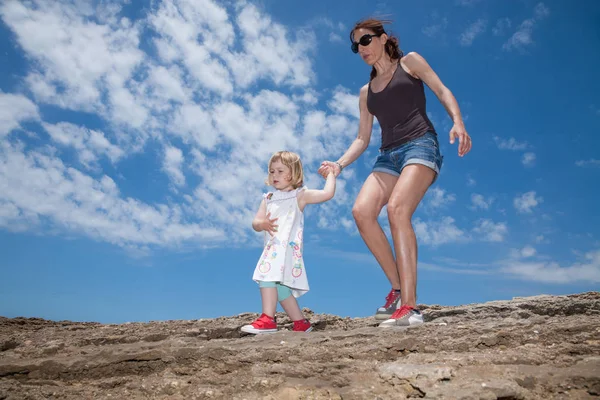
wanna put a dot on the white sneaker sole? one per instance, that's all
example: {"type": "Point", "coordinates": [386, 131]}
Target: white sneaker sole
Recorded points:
{"type": "Point", "coordinates": [382, 317]}
{"type": "Point", "coordinates": [254, 331]}
{"type": "Point", "coordinates": [412, 321]}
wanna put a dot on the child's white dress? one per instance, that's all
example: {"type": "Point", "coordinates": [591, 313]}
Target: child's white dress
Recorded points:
{"type": "Point", "coordinates": [281, 260]}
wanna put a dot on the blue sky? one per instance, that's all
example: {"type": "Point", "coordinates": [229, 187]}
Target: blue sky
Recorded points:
{"type": "Point", "coordinates": [134, 139]}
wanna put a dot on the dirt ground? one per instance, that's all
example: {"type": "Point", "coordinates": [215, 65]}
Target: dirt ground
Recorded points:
{"type": "Point", "coordinates": [543, 347]}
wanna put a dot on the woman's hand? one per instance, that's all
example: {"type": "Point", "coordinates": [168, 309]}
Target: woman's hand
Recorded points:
{"type": "Point", "coordinates": [464, 140]}
{"type": "Point", "coordinates": [326, 166]}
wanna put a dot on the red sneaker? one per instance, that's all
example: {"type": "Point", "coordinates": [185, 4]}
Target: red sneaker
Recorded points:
{"type": "Point", "coordinates": [404, 316]}
{"type": "Point", "coordinates": [263, 324]}
{"type": "Point", "coordinates": [302, 326]}
{"type": "Point", "coordinates": [392, 303]}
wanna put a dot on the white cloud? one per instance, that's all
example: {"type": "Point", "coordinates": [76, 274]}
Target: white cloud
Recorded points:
{"type": "Point", "coordinates": [522, 38]}
{"type": "Point", "coordinates": [90, 144]}
{"type": "Point", "coordinates": [489, 231]}
{"type": "Point", "coordinates": [15, 108]}
{"type": "Point", "coordinates": [528, 159]}
{"type": "Point", "coordinates": [199, 92]}
{"type": "Point", "coordinates": [78, 57]}
{"type": "Point", "coordinates": [479, 201]}
{"type": "Point", "coordinates": [437, 27]}
{"type": "Point", "coordinates": [344, 102]}
{"type": "Point", "coordinates": [592, 162]}
{"type": "Point", "coordinates": [541, 11]}
{"type": "Point", "coordinates": [540, 239]}
{"type": "Point", "coordinates": [335, 38]}
{"type": "Point", "coordinates": [172, 163]}
{"type": "Point", "coordinates": [528, 251]}
{"type": "Point", "coordinates": [525, 252]}
{"type": "Point", "coordinates": [502, 26]}
{"type": "Point", "coordinates": [470, 181]}
{"type": "Point", "coordinates": [268, 53]}
{"type": "Point", "coordinates": [438, 198]}
{"type": "Point", "coordinates": [475, 29]}
{"type": "Point", "coordinates": [587, 271]}
{"type": "Point", "coordinates": [439, 232]}
{"type": "Point", "coordinates": [527, 202]}
{"type": "Point", "coordinates": [36, 186]}
{"type": "Point", "coordinates": [467, 2]}
{"type": "Point", "coordinates": [510, 144]}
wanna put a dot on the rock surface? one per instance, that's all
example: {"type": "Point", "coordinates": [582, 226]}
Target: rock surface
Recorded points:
{"type": "Point", "coordinates": [543, 347]}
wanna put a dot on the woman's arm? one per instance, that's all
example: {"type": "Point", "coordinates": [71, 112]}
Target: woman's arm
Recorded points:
{"type": "Point", "coordinates": [419, 68]}
{"type": "Point", "coordinates": [360, 144]}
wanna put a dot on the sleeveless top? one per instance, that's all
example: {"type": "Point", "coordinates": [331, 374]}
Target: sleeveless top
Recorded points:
{"type": "Point", "coordinates": [400, 109]}
{"type": "Point", "coordinates": [281, 260]}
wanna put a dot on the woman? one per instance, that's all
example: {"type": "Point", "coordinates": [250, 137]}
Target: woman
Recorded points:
{"type": "Point", "coordinates": [408, 163]}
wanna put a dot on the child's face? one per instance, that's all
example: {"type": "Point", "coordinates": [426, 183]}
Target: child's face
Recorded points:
{"type": "Point", "coordinates": [280, 175]}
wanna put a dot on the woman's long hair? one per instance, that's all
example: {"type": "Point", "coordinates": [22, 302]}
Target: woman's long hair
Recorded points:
{"type": "Point", "coordinates": [392, 46]}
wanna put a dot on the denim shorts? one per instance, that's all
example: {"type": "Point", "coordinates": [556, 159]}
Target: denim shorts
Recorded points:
{"type": "Point", "coordinates": [424, 150]}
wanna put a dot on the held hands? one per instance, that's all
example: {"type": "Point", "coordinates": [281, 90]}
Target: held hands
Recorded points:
{"type": "Point", "coordinates": [464, 140]}
{"type": "Point", "coordinates": [328, 167]}
{"type": "Point", "coordinates": [268, 225]}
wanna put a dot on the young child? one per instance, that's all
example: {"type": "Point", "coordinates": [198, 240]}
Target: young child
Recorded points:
{"type": "Point", "coordinates": [280, 271]}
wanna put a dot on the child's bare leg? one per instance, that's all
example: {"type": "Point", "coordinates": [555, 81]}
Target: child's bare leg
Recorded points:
{"type": "Point", "coordinates": [269, 300]}
{"type": "Point", "coordinates": [291, 307]}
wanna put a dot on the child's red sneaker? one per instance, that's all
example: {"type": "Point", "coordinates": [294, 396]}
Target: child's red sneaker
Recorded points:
{"type": "Point", "coordinates": [263, 324]}
{"type": "Point", "coordinates": [302, 326]}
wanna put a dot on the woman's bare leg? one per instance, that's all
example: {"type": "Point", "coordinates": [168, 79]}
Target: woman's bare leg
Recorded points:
{"type": "Point", "coordinates": [414, 181]}
{"type": "Point", "coordinates": [372, 197]}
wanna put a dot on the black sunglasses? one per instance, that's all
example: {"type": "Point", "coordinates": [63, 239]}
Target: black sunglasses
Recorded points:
{"type": "Point", "coordinates": [364, 40]}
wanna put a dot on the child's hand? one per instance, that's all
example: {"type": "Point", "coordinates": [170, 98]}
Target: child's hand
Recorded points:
{"type": "Point", "coordinates": [268, 225]}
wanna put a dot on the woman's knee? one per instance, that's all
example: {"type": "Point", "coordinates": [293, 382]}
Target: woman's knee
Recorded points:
{"type": "Point", "coordinates": [399, 212]}
{"type": "Point", "coordinates": [363, 213]}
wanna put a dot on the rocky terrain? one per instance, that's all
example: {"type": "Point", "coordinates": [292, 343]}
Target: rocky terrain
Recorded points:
{"type": "Point", "coordinates": [544, 347]}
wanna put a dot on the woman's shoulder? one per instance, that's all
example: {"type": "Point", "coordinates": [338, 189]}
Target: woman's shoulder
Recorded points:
{"type": "Point", "coordinates": [364, 91]}
{"type": "Point", "coordinates": [412, 62]}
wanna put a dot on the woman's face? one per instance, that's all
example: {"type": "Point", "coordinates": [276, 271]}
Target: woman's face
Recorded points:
{"type": "Point", "coordinates": [374, 50]}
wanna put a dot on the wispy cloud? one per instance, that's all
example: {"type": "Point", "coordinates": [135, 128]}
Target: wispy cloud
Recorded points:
{"type": "Point", "coordinates": [438, 198]}
{"type": "Point", "coordinates": [200, 86]}
{"type": "Point", "coordinates": [510, 144]}
{"type": "Point", "coordinates": [14, 109]}
{"type": "Point", "coordinates": [592, 162]}
{"type": "Point", "coordinates": [172, 164]}
{"type": "Point", "coordinates": [89, 144]}
{"type": "Point", "coordinates": [79, 203]}
{"type": "Point", "coordinates": [467, 2]}
{"type": "Point", "coordinates": [526, 202]}
{"type": "Point", "coordinates": [440, 231]}
{"type": "Point", "coordinates": [436, 27]}
{"type": "Point", "coordinates": [479, 201]}
{"type": "Point", "coordinates": [587, 270]}
{"type": "Point", "coordinates": [502, 26]}
{"type": "Point", "coordinates": [489, 231]}
{"type": "Point", "coordinates": [475, 29]}
{"type": "Point", "coordinates": [528, 159]}
{"type": "Point", "coordinates": [335, 38]}
{"type": "Point", "coordinates": [471, 181]}
{"type": "Point", "coordinates": [523, 37]}
{"type": "Point", "coordinates": [526, 264]}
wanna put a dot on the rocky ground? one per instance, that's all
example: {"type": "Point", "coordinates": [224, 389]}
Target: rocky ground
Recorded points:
{"type": "Point", "coordinates": [544, 347]}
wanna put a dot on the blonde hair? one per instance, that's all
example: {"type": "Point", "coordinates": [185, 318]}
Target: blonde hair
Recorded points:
{"type": "Point", "coordinates": [293, 162]}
